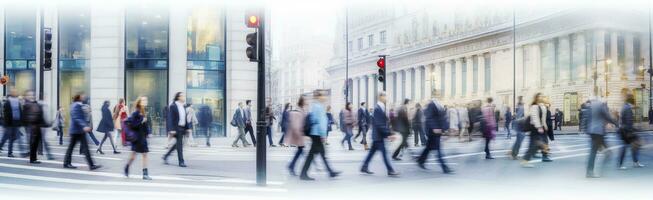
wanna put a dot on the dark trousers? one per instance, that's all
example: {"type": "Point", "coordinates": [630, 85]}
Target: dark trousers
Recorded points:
{"type": "Point", "coordinates": [517, 145]}
{"type": "Point", "coordinates": [508, 133]}
{"type": "Point", "coordinates": [598, 143]}
{"type": "Point", "coordinates": [347, 138]}
{"type": "Point", "coordinates": [634, 153]}
{"type": "Point", "coordinates": [283, 136]}
{"type": "Point", "coordinates": [207, 133]}
{"type": "Point", "coordinates": [300, 151]}
{"type": "Point", "coordinates": [403, 145]}
{"type": "Point", "coordinates": [487, 147]}
{"type": "Point", "coordinates": [107, 135]}
{"type": "Point", "coordinates": [380, 147]}
{"type": "Point", "coordinates": [60, 135]}
{"type": "Point", "coordinates": [11, 135]}
{"type": "Point", "coordinates": [317, 147]}
{"type": "Point", "coordinates": [74, 139]}
{"type": "Point", "coordinates": [558, 125]}
{"type": "Point", "coordinates": [535, 143]}
{"type": "Point", "coordinates": [179, 145]}
{"type": "Point", "coordinates": [35, 140]}
{"type": "Point", "coordinates": [433, 144]}
{"type": "Point", "coordinates": [419, 135]}
{"type": "Point", "coordinates": [269, 133]}
{"type": "Point", "coordinates": [362, 130]}
{"type": "Point", "coordinates": [249, 129]}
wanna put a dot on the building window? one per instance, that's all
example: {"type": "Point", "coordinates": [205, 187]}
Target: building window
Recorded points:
{"type": "Point", "coordinates": [394, 87]}
{"type": "Point", "coordinates": [453, 78]}
{"type": "Point", "coordinates": [578, 58]}
{"type": "Point", "coordinates": [488, 72]}
{"type": "Point", "coordinates": [422, 75]}
{"type": "Point", "coordinates": [20, 47]}
{"type": "Point", "coordinates": [442, 76]}
{"type": "Point", "coordinates": [360, 44]}
{"type": "Point", "coordinates": [74, 53]}
{"type": "Point", "coordinates": [621, 53]}
{"type": "Point", "coordinates": [403, 85]}
{"type": "Point", "coordinates": [463, 76]}
{"type": "Point", "coordinates": [382, 37]}
{"type": "Point", "coordinates": [370, 40]}
{"type": "Point", "coordinates": [637, 56]}
{"type": "Point", "coordinates": [563, 58]}
{"type": "Point", "coordinates": [475, 74]}
{"type": "Point", "coordinates": [548, 68]}
{"type": "Point", "coordinates": [412, 84]}
{"type": "Point", "coordinates": [205, 77]}
{"type": "Point", "coordinates": [146, 60]}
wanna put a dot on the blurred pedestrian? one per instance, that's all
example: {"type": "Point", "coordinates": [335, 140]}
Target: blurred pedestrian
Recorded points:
{"type": "Point", "coordinates": [403, 127]}
{"type": "Point", "coordinates": [476, 121]}
{"type": "Point", "coordinates": [238, 121]}
{"type": "Point", "coordinates": [627, 133]}
{"type": "Point", "coordinates": [318, 122]}
{"type": "Point", "coordinates": [598, 116]}
{"type": "Point", "coordinates": [79, 127]}
{"type": "Point", "coordinates": [348, 119]}
{"type": "Point", "coordinates": [284, 123]}
{"type": "Point", "coordinates": [436, 124]}
{"type": "Point", "coordinates": [106, 126]}
{"type": "Point", "coordinates": [418, 126]}
{"type": "Point", "coordinates": [297, 132]}
{"type": "Point", "coordinates": [269, 120]}
{"type": "Point", "coordinates": [363, 123]}
{"type": "Point", "coordinates": [538, 128]}
{"type": "Point", "coordinates": [519, 114]}
{"type": "Point", "coordinates": [177, 126]}
{"type": "Point", "coordinates": [140, 130]}
{"type": "Point", "coordinates": [507, 117]}
{"type": "Point", "coordinates": [12, 112]}
{"type": "Point", "coordinates": [119, 115]}
{"type": "Point", "coordinates": [58, 126]}
{"type": "Point", "coordinates": [454, 122]}
{"type": "Point", "coordinates": [559, 119]}
{"type": "Point", "coordinates": [86, 107]}
{"type": "Point", "coordinates": [248, 120]}
{"type": "Point", "coordinates": [205, 121]}
{"type": "Point", "coordinates": [463, 120]}
{"type": "Point", "coordinates": [550, 118]}
{"type": "Point", "coordinates": [330, 123]}
{"type": "Point", "coordinates": [34, 119]}
{"type": "Point", "coordinates": [380, 132]}
{"type": "Point", "coordinates": [490, 125]}
{"type": "Point", "coordinates": [189, 136]}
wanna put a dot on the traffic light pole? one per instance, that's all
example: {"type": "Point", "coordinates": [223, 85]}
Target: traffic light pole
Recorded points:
{"type": "Point", "coordinates": [260, 106]}
{"type": "Point", "coordinates": [41, 55]}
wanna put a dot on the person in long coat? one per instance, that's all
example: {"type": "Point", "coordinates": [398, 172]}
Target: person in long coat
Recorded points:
{"type": "Point", "coordinates": [106, 126]}
{"type": "Point", "coordinates": [296, 135]}
{"type": "Point", "coordinates": [139, 124]}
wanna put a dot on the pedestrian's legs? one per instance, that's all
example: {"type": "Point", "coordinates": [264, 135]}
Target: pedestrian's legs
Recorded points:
{"type": "Point", "coordinates": [13, 136]}
{"type": "Point", "coordinates": [112, 144]}
{"type": "Point", "coordinates": [86, 153]}
{"type": "Point", "coordinates": [95, 140]}
{"type": "Point", "coordinates": [517, 145]}
{"type": "Point", "coordinates": [422, 135]}
{"type": "Point", "coordinates": [99, 148]}
{"type": "Point", "coordinates": [250, 129]}
{"type": "Point", "coordinates": [592, 156]}
{"type": "Point", "coordinates": [364, 140]}
{"type": "Point", "coordinates": [384, 153]}
{"type": "Point", "coordinates": [300, 151]}
{"type": "Point", "coordinates": [74, 138]}
{"type": "Point", "coordinates": [60, 134]}
{"type": "Point", "coordinates": [623, 154]}
{"type": "Point", "coordinates": [416, 135]}
{"type": "Point", "coordinates": [180, 146]}
{"type": "Point", "coordinates": [5, 138]}
{"type": "Point", "coordinates": [207, 131]}
{"type": "Point", "coordinates": [269, 133]}
{"type": "Point", "coordinates": [440, 155]}
{"type": "Point", "coordinates": [283, 135]}
{"type": "Point", "coordinates": [35, 140]}
{"type": "Point", "coordinates": [532, 146]}
{"type": "Point", "coordinates": [370, 154]}
{"type": "Point", "coordinates": [322, 152]}
{"type": "Point", "coordinates": [508, 134]}
{"type": "Point", "coordinates": [309, 158]}
{"type": "Point", "coordinates": [403, 145]}
{"type": "Point", "coordinates": [429, 146]}
{"type": "Point", "coordinates": [487, 148]}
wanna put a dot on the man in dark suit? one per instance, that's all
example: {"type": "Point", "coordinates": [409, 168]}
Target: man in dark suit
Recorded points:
{"type": "Point", "coordinates": [380, 132]}
{"type": "Point", "coordinates": [13, 109]}
{"type": "Point", "coordinates": [205, 119]}
{"type": "Point", "coordinates": [177, 125]}
{"type": "Point", "coordinates": [238, 121]}
{"type": "Point", "coordinates": [436, 124]}
{"type": "Point", "coordinates": [78, 129]}
{"type": "Point", "coordinates": [363, 124]}
{"type": "Point", "coordinates": [248, 121]}
{"type": "Point", "coordinates": [33, 117]}
{"type": "Point", "coordinates": [559, 117]}
{"type": "Point", "coordinates": [403, 126]}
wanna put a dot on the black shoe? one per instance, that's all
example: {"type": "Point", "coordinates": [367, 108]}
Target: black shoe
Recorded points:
{"type": "Point", "coordinates": [421, 165]}
{"type": "Point", "coordinates": [393, 174]}
{"type": "Point", "coordinates": [126, 171]}
{"type": "Point", "coordinates": [182, 165]}
{"type": "Point", "coordinates": [366, 171]}
{"type": "Point", "coordinates": [69, 166]}
{"type": "Point", "coordinates": [489, 157]}
{"type": "Point", "coordinates": [116, 152]}
{"type": "Point", "coordinates": [334, 174]}
{"type": "Point", "coordinates": [446, 170]}
{"type": "Point", "coordinates": [165, 161]}
{"type": "Point", "coordinates": [94, 167]}
{"type": "Point", "coordinates": [396, 159]}
{"type": "Point", "coordinates": [306, 178]}
{"type": "Point", "coordinates": [546, 159]}
{"type": "Point", "coordinates": [35, 162]}
{"type": "Point", "coordinates": [208, 144]}
{"type": "Point", "coordinates": [10, 155]}
{"type": "Point", "coordinates": [146, 176]}
{"type": "Point", "coordinates": [100, 152]}
{"type": "Point", "coordinates": [292, 172]}
{"type": "Point", "coordinates": [351, 149]}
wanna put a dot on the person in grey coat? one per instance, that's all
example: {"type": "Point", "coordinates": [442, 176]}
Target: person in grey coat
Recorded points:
{"type": "Point", "coordinates": [597, 118]}
{"type": "Point", "coordinates": [238, 121]}
{"type": "Point", "coordinates": [106, 126]}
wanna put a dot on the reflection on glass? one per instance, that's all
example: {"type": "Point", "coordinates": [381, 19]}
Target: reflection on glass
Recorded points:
{"type": "Point", "coordinates": [205, 79]}
{"type": "Point", "coordinates": [20, 47]}
{"type": "Point", "coordinates": [152, 84]}
{"type": "Point", "coordinates": [74, 52]}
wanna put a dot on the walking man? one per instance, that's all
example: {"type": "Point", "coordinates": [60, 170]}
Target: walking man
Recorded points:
{"type": "Point", "coordinates": [403, 126]}
{"type": "Point", "coordinates": [79, 127]}
{"type": "Point", "coordinates": [597, 118]}
{"type": "Point", "coordinates": [317, 120]}
{"type": "Point", "coordinates": [380, 132]}
{"type": "Point", "coordinates": [436, 124]}
{"type": "Point", "coordinates": [177, 125]}
{"type": "Point", "coordinates": [13, 109]}
{"type": "Point", "coordinates": [34, 122]}
{"type": "Point", "coordinates": [238, 121]}
{"type": "Point", "coordinates": [363, 123]}
{"type": "Point", "coordinates": [248, 121]}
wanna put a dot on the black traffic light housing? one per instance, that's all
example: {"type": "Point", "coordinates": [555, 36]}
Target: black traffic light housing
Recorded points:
{"type": "Point", "coordinates": [381, 64]}
{"type": "Point", "coordinates": [47, 49]}
{"type": "Point", "coordinates": [251, 52]}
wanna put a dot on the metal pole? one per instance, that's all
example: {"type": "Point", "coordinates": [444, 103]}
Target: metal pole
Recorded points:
{"type": "Point", "coordinates": [260, 105]}
{"type": "Point", "coordinates": [347, 54]}
{"type": "Point", "coordinates": [650, 66]}
{"type": "Point", "coordinates": [41, 25]}
{"type": "Point", "coordinates": [514, 61]}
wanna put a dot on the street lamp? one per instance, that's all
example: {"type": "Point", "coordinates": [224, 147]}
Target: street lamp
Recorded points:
{"type": "Point", "coordinates": [432, 84]}
{"type": "Point", "coordinates": [606, 74]}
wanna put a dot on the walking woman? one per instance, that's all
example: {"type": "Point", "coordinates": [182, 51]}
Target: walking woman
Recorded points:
{"type": "Point", "coordinates": [284, 124]}
{"type": "Point", "coordinates": [489, 129]}
{"type": "Point", "coordinates": [119, 115]}
{"type": "Point", "coordinates": [269, 117]}
{"type": "Point", "coordinates": [139, 125]}
{"type": "Point", "coordinates": [106, 126]}
{"type": "Point", "coordinates": [58, 124]}
{"type": "Point", "coordinates": [349, 125]}
{"type": "Point", "coordinates": [296, 134]}
{"type": "Point", "coordinates": [538, 129]}
{"type": "Point", "coordinates": [627, 133]}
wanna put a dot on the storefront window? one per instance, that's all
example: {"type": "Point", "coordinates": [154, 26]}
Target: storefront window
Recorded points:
{"type": "Point", "coordinates": [205, 76]}
{"type": "Point", "coordinates": [146, 63]}
{"type": "Point", "coordinates": [20, 48]}
{"type": "Point", "coordinates": [74, 53]}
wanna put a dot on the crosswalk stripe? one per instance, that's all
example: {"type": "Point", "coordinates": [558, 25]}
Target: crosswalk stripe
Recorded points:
{"type": "Point", "coordinates": [140, 184]}
{"type": "Point", "coordinates": [129, 193]}
{"type": "Point", "coordinates": [45, 161]}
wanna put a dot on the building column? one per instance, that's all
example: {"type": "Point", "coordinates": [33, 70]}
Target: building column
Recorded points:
{"type": "Point", "coordinates": [447, 78]}
{"type": "Point", "coordinates": [615, 69]}
{"type": "Point", "coordinates": [178, 39]}
{"type": "Point", "coordinates": [459, 80]}
{"type": "Point", "coordinates": [470, 76]}
{"type": "Point", "coordinates": [481, 75]}
{"type": "Point", "coordinates": [631, 70]}
{"type": "Point", "coordinates": [429, 70]}
{"type": "Point", "coordinates": [410, 88]}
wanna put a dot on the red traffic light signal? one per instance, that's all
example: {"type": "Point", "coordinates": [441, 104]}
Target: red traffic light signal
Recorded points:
{"type": "Point", "coordinates": [4, 80]}
{"type": "Point", "coordinates": [381, 62]}
{"type": "Point", "coordinates": [252, 20]}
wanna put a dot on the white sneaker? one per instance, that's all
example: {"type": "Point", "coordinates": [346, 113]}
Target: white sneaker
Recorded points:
{"type": "Point", "coordinates": [526, 164]}
{"type": "Point", "coordinates": [639, 165]}
{"type": "Point", "coordinates": [622, 168]}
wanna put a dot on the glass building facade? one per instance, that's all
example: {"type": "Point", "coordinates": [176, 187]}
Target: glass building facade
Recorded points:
{"type": "Point", "coordinates": [146, 61]}
{"type": "Point", "coordinates": [20, 47]}
{"type": "Point", "coordinates": [205, 82]}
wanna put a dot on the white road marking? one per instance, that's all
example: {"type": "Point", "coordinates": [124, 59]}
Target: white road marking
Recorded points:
{"type": "Point", "coordinates": [44, 161]}
{"type": "Point", "coordinates": [130, 194]}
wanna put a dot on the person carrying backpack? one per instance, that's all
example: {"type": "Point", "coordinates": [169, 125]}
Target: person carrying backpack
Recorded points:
{"type": "Point", "coordinates": [538, 129]}
{"type": "Point", "coordinates": [139, 130]}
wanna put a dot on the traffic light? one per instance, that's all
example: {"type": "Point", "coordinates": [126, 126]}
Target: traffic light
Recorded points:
{"type": "Point", "coordinates": [47, 49]}
{"type": "Point", "coordinates": [252, 19]}
{"type": "Point", "coordinates": [381, 64]}
{"type": "Point", "coordinates": [251, 40]}
{"type": "Point", "coordinates": [4, 80]}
